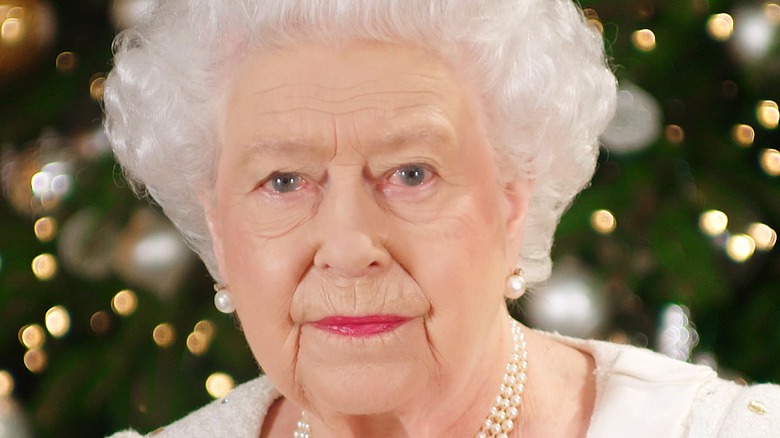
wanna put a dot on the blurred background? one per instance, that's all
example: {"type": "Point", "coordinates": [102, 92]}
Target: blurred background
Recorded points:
{"type": "Point", "coordinates": [106, 318]}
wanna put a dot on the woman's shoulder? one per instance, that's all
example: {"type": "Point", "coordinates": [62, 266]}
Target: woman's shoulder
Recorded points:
{"type": "Point", "coordinates": [239, 414]}
{"type": "Point", "coordinates": [646, 394]}
{"type": "Point", "coordinates": [727, 410]}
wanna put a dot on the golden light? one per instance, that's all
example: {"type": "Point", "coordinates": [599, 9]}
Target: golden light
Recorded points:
{"type": "Point", "coordinates": [58, 321]}
{"type": "Point", "coordinates": [603, 221]}
{"type": "Point", "coordinates": [96, 86]}
{"type": "Point", "coordinates": [164, 335]}
{"type": "Point", "coordinates": [206, 327]}
{"type": "Point", "coordinates": [12, 31]}
{"type": "Point", "coordinates": [6, 384]}
{"type": "Point", "coordinates": [44, 267]}
{"type": "Point", "coordinates": [644, 40]}
{"type": "Point", "coordinates": [32, 336]}
{"type": "Point", "coordinates": [66, 62]}
{"type": "Point", "coordinates": [36, 360]}
{"type": "Point", "coordinates": [219, 385]}
{"type": "Point", "coordinates": [197, 343]}
{"type": "Point", "coordinates": [674, 134]}
{"type": "Point", "coordinates": [100, 322]}
{"type": "Point", "coordinates": [713, 222]}
{"type": "Point", "coordinates": [590, 13]}
{"type": "Point", "coordinates": [770, 161]}
{"type": "Point", "coordinates": [45, 228]}
{"type": "Point", "coordinates": [768, 114]}
{"type": "Point", "coordinates": [124, 302]}
{"type": "Point", "coordinates": [720, 26]}
{"type": "Point", "coordinates": [740, 247]}
{"type": "Point", "coordinates": [764, 236]}
{"type": "Point", "coordinates": [772, 12]}
{"type": "Point", "coordinates": [743, 135]}
{"type": "Point", "coordinates": [592, 18]}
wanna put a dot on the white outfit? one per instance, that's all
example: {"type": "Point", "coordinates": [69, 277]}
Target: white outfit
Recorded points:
{"type": "Point", "coordinates": [639, 394]}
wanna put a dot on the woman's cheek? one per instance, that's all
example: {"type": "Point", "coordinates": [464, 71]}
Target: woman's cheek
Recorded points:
{"type": "Point", "coordinates": [274, 215]}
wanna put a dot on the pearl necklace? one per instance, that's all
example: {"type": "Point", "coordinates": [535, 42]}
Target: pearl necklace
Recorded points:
{"type": "Point", "coordinates": [506, 408]}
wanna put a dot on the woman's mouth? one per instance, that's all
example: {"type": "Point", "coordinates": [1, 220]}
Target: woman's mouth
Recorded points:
{"type": "Point", "coordinates": [360, 326]}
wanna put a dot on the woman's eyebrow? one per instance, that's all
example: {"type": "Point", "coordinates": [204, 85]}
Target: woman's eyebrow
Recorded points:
{"type": "Point", "coordinates": [429, 135]}
{"type": "Point", "coordinates": [280, 146]}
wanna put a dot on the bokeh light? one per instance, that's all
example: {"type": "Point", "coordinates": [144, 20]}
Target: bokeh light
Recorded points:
{"type": "Point", "coordinates": [219, 385]}
{"type": "Point", "coordinates": [592, 18]}
{"type": "Point", "coordinates": [770, 161]}
{"type": "Point", "coordinates": [206, 327]}
{"type": "Point", "coordinates": [100, 322]}
{"type": "Point", "coordinates": [772, 12]}
{"type": "Point", "coordinates": [45, 229]}
{"type": "Point", "coordinates": [124, 302]}
{"type": "Point", "coordinates": [97, 86]}
{"type": "Point", "coordinates": [197, 343]}
{"type": "Point", "coordinates": [603, 221]}
{"type": "Point", "coordinates": [32, 336]}
{"type": "Point", "coordinates": [66, 62]}
{"type": "Point", "coordinates": [677, 335]}
{"type": "Point", "coordinates": [764, 236]}
{"type": "Point", "coordinates": [6, 384]}
{"type": "Point", "coordinates": [674, 134]}
{"type": "Point", "coordinates": [740, 247]}
{"type": "Point", "coordinates": [768, 114]}
{"type": "Point", "coordinates": [720, 26]}
{"type": "Point", "coordinates": [58, 321]}
{"type": "Point", "coordinates": [164, 335]}
{"type": "Point", "coordinates": [44, 267]}
{"type": "Point", "coordinates": [743, 135]}
{"type": "Point", "coordinates": [713, 222]}
{"type": "Point", "coordinates": [36, 360]}
{"type": "Point", "coordinates": [644, 40]}
{"type": "Point", "coordinates": [12, 31]}
{"type": "Point", "coordinates": [53, 182]}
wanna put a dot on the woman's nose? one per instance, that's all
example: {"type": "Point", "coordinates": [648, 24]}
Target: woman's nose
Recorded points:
{"type": "Point", "coordinates": [349, 232]}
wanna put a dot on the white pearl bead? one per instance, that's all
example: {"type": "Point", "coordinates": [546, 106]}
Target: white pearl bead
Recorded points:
{"type": "Point", "coordinates": [223, 302]}
{"type": "Point", "coordinates": [515, 285]}
{"type": "Point", "coordinates": [507, 426]}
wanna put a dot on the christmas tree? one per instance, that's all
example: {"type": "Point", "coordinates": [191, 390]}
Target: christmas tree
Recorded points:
{"type": "Point", "coordinates": [106, 318]}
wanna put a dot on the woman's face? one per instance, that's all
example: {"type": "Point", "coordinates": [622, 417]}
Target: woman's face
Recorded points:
{"type": "Point", "coordinates": [360, 225]}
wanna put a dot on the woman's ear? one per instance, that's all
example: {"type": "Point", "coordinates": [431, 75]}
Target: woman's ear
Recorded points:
{"type": "Point", "coordinates": [208, 202]}
{"type": "Point", "coordinates": [517, 194]}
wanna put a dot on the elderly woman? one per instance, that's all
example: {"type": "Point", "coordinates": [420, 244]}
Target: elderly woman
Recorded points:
{"type": "Point", "coordinates": [368, 182]}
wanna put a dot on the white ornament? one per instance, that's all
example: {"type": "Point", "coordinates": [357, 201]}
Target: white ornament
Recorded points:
{"type": "Point", "coordinates": [569, 302]}
{"type": "Point", "coordinates": [637, 121]}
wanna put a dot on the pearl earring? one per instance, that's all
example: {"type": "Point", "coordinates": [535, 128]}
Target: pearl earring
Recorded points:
{"type": "Point", "coordinates": [222, 300]}
{"type": "Point", "coordinates": [515, 285]}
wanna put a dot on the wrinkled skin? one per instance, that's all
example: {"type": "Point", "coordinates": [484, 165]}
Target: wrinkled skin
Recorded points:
{"type": "Point", "coordinates": [359, 181]}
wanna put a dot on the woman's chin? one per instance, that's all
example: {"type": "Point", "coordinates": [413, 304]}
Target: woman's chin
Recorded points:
{"type": "Point", "coordinates": [363, 390]}
{"type": "Point", "coordinates": [363, 375]}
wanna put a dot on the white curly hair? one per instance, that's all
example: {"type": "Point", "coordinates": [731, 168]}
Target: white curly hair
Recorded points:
{"type": "Point", "coordinates": [539, 67]}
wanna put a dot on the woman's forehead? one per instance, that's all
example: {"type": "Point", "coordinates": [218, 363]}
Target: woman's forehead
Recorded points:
{"type": "Point", "coordinates": [389, 94]}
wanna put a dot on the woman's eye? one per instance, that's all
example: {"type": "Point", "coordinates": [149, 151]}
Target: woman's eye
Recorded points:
{"type": "Point", "coordinates": [412, 175]}
{"type": "Point", "coordinates": [284, 183]}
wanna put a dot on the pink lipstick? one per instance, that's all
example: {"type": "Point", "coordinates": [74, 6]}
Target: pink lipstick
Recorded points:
{"type": "Point", "coordinates": [360, 326]}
